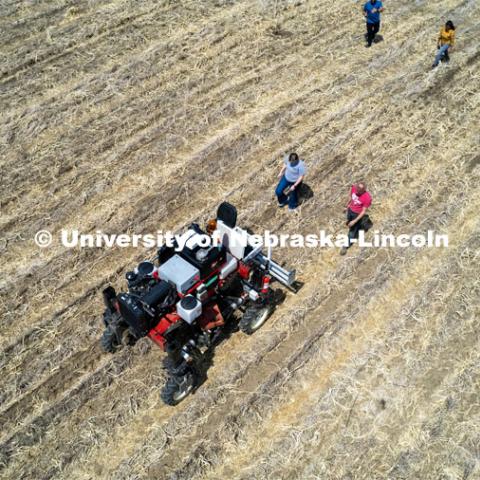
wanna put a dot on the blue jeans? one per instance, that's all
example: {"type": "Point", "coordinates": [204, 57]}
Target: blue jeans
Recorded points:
{"type": "Point", "coordinates": [442, 52]}
{"type": "Point", "coordinates": [292, 197]}
{"type": "Point", "coordinates": [352, 231]}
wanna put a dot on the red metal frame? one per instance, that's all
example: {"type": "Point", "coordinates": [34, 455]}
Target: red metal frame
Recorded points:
{"type": "Point", "coordinates": [211, 316]}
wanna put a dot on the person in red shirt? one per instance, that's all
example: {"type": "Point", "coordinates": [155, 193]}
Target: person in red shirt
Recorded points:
{"type": "Point", "coordinates": [358, 203]}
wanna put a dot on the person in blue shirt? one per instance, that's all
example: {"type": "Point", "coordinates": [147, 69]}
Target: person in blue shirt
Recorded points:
{"type": "Point", "coordinates": [372, 10]}
{"type": "Point", "coordinates": [291, 176]}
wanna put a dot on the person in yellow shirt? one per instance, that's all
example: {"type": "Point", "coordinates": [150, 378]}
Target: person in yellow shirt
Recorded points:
{"type": "Point", "coordinates": [445, 43]}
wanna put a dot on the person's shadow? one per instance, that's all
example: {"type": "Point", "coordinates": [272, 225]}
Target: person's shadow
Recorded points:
{"type": "Point", "coordinates": [305, 193]}
{"type": "Point", "coordinates": [378, 38]}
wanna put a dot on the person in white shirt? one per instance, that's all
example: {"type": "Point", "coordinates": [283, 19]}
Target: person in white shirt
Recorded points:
{"type": "Point", "coordinates": [291, 176]}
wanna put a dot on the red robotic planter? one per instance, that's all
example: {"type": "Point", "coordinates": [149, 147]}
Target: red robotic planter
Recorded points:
{"type": "Point", "coordinates": [185, 301]}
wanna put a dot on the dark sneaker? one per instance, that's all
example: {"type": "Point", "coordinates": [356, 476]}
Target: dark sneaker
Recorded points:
{"type": "Point", "coordinates": [343, 251]}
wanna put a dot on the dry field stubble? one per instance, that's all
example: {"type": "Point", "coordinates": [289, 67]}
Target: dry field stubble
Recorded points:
{"type": "Point", "coordinates": [140, 115]}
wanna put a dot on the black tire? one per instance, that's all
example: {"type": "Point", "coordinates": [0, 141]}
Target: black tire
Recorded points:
{"type": "Point", "coordinates": [109, 340]}
{"type": "Point", "coordinates": [177, 388]}
{"type": "Point", "coordinates": [254, 317]}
